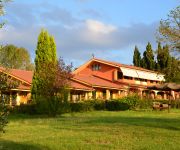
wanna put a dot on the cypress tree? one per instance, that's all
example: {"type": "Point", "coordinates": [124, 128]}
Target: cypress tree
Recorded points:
{"type": "Point", "coordinates": [53, 48]}
{"type": "Point", "coordinates": [137, 57]}
{"type": "Point", "coordinates": [45, 53]}
{"type": "Point", "coordinates": [148, 58]}
{"type": "Point", "coordinates": [162, 56]}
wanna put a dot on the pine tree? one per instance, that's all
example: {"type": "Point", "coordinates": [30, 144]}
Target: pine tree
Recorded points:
{"type": "Point", "coordinates": [148, 58]}
{"type": "Point", "coordinates": [137, 57]}
{"type": "Point", "coordinates": [45, 53]}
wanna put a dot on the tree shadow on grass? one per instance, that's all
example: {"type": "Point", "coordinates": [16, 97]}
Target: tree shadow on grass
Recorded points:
{"type": "Point", "coordinates": [10, 145]}
{"type": "Point", "coordinates": [163, 123]}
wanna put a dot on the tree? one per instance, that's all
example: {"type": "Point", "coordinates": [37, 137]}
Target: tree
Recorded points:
{"type": "Point", "coordinates": [3, 112]}
{"type": "Point", "coordinates": [45, 54]}
{"type": "Point", "coordinates": [137, 57]}
{"type": "Point", "coordinates": [6, 84]}
{"type": "Point", "coordinates": [15, 58]}
{"type": "Point", "coordinates": [2, 2]}
{"type": "Point", "coordinates": [172, 71]}
{"type": "Point", "coordinates": [54, 88]}
{"type": "Point", "coordinates": [51, 77]}
{"type": "Point", "coordinates": [169, 30]}
{"type": "Point", "coordinates": [148, 58]}
{"type": "Point", "coordinates": [163, 57]}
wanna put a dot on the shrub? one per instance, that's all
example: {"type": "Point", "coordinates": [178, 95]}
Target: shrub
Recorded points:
{"type": "Point", "coordinates": [99, 104]}
{"type": "Point", "coordinates": [116, 105]}
{"type": "Point", "coordinates": [132, 101]}
{"type": "Point", "coordinates": [30, 109]}
{"type": "Point", "coordinates": [81, 106]}
{"type": "Point", "coordinates": [3, 116]}
{"type": "Point", "coordinates": [145, 103]}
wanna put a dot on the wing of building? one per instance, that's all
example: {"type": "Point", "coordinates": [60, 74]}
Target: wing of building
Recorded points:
{"type": "Point", "coordinates": [99, 79]}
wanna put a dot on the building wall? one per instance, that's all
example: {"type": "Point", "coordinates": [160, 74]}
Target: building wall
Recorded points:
{"type": "Point", "coordinates": [105, 72]}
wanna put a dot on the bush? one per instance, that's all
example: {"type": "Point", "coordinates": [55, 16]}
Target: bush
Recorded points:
{"type": "Point", "coordinates": [99, 104]}
{"type": "Point", "coordinates": [3, 116]}
{"type": "Point", "coordinates": [145, 103]}
{"type": "Point", "coordinates": [132, 101]}
{"type": "Point", "coordinates": [81, 106]}
{"type": "Point", "coordinates": [116, 105]}
{"type": "Point", "coordinates": [111, 105]}
{"type": "Point", "coordinates": [30, 109]}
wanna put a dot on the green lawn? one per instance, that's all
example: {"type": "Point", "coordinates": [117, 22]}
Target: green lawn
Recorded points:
{"type": "Point", "coordinates": [127, 130]}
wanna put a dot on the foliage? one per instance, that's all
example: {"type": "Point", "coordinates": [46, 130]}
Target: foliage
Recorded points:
{"type": "Point", "coordinates": [6, 83]}
{"type": "Point", "coordinates": [169, 29]}
{"type": "Point", "coordinates": [137, 57]}
{"type": "Point", "coordinates": [3, 84]}
{"type": "Point", "coordinates": [2, 10]}
{"type": "Point", "coordinates": [167, 64]}
{"type": "Point", "coordinates": [132, 101]}
{"type": "Point", "coordinates": [148, 58]}
{"type": "Point", "coordinates": [163, 57]}
{"type": "Point", "coordinates": [51, 77]}
{"type": "Point", "coordinates": [45, 55]}
{"type": "Point", "coordinates": [172, 72]}
{"type": "Point", "coordinates": [15, 57]}
{"type": "Point", "coordinates": [116, 105]}
{"type": "Point", "coordinates": [3, 115]}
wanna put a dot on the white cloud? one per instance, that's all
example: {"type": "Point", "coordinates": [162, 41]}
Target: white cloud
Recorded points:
{"type": "Point", "coordinates": [99, 27]}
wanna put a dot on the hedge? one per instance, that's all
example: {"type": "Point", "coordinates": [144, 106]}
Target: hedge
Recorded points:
{"type": "Point", "coordinates": [130, 102]}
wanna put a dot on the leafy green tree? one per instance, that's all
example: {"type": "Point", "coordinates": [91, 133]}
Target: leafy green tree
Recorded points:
{"type": "Point", "coordinates": [15, 57]}
{"type": "Point", "coordinates": [137, 57]}
{"type": "Point", "coordinates": [148, 58]}
{"type": "Point", "coordinates": [169, 29]}
{"type": "Point", "coordinates": [54, 91]}
{"type": "Point", "coordinates": [3, 109]}
{"type": "Point", "coordinates": [45, 54]}
{"type": "Point", "coordinates": [7, 83]}
{"type": "Point", "coordinates": [51, 77]}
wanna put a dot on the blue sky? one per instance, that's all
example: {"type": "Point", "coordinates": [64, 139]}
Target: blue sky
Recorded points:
{"type": "Point", "coordinates": [109, 29]}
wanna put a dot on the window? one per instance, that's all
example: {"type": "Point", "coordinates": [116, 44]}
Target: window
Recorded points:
{"type": "Point", "coordinates": [143, 80]}
{"type": "Point", "coordinates": [120, 75]}
{"type": "Point", "coordinates": [126, 77]}
{"type": "Point", "coordinates": [96, 67]}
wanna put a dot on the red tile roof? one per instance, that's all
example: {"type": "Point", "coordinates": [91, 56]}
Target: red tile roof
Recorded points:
{"type": "Point", "coordinates": [80, 86]}
{"type": "Point", "coordinates": [20, 74]}
{"type": "Point", "coordinates": [97, 81]}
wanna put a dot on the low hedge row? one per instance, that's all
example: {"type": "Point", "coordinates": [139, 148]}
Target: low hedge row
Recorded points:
{"type": "Point", "coordinates": [129, 102]}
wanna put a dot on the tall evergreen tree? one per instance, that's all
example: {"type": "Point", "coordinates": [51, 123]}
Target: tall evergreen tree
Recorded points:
{"type": "Point", "coordinates": [172, 71]}
{"type": "Point", "coordinates": [137, 57]}
{"type": "Point", "coordinates": [45, 54]}
{"type": "Point", "coordinates": [53, 48]}
{"type": "Point", "coordinates": [162, 56]}
{"type": "Point", "coordinates": [148, 58]}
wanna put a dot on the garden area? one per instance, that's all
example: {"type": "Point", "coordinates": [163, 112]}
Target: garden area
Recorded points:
{"type": "Point", "coordinates": [94, 130]}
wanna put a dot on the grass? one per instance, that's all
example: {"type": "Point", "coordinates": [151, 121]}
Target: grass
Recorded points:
{"type": "Point", "coordinates": [127, 130]}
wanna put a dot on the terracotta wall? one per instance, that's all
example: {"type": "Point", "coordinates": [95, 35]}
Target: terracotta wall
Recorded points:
{"type": "Point", "coordinates": [106, 71]}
